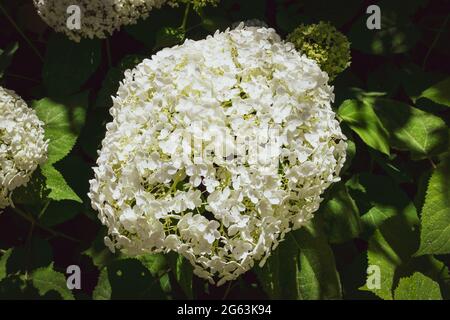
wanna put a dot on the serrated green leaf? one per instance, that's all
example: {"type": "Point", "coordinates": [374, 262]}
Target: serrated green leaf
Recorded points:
{"type": "Point", "coordinates": [63, 121]}
{"type": "Point", "coordinates": [36, 253]}
{"type": "Point", "coordinates": [302, 267]}
{"type": "Point", "coordinates": [341, 215]}
{"type": "Point", "coordinates": [46, 280]}
{"type": "Point", "coordinates": [68, 65]}
{"type": "Point", "coordinates": [421, 133]}
{"type": "Point", "coordinates": [390, 247]}
{"type": "Point", "coordinates": [438, 93]}
{"type": "Point", "coordinates": [362, 119]}
{"type": "Point", "coordinates": [102, 290]}
{"type": "Point", "coordinates": [60, 190]}
{"type": "Point", "coordinates": [417, 287]}
{"type": "Point", "coordinates": [435, 218]}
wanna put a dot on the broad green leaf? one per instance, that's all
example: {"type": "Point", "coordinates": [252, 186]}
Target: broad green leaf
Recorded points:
{"type": "Point", "coordinates": [102, 290]}
{"type": "Point", "coordinates": [341, 215]}
{"type": "Point", "coordinates": [68, 65]}
{"type": "Point", "coordinates": [129, 279]}
{"type": "Point", "coordinates": [302, 267]}
{"type": "Point", "coordinates": [155, 263]}
{"type": "Point", "coordinates": [417, 287]}
{"type": "Point", "coordinates": [183, 272]}
{"type": "Point", "coordinates": [362, 119]}
{"type": "Point", "coordinates": [390, 247]}
{"type": "Point", "coordinates": [421, 133]}
{"type": "Point", "coordinates": [439, 93]}
{"type": "Point", "coordinates": [63, 121]}
{"type": "Point", "coordinates": [3, 260]}
{"type": "Point", "coordinates": [46, 280]}
{"type": "Point", "coordinates": [435, 218]}
{"type": "Point", "coordinates": [379, 198]}
{"type": "Point", "coordinates": [60, 190]}
{"type": "Point", "coordinates": [6, 57]}
{"type": "Point", "coordinates": [317, 277]}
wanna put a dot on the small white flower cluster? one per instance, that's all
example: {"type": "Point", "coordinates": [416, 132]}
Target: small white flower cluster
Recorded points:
{"type": "Point", "coordinates": [22, 144]}
{"type": "Point", "coordinates": [223, 212]}
{"type": "Point", "coordinates": [99, 18]}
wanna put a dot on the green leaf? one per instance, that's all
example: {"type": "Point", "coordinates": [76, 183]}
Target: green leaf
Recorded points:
{"type": "Point", "coordinates": [129, 279]}
{"type": "Point", "coordinates": [435, 218]}
{"type": "Point", "coordinates": [421, 133]}
{"type": "Point", "coordinates": [361, 118]}
{"type": "Point", "coordinates": [417, 287]}
{"type": "Point", "coordinates": [379, 198]}
{"type": "Point", "coordinates": [155, 263]}
{"type": "Point", "coordinates": [3, 260]}
{"type": "Point", "coordinates": [341, 215]}
{"type": "Point", "coordinates": [63, 121]}
{"type": "Point", "coordinates": [60, 190]}
{"type": "Point", "coordinates": [6, 56]}
{"type": "Point", "coordinates": [183, 272]}
{"type": "Point", "coordinates": [68, 65]}
{"type": "Point", "coordinates": [102, 290]}
{"type": "Point", "coordinates": [390, 247]}
{"type": "Point", "coordinates": [438, 93]}
{"type": "Point", "coordinates": [36, 253]}
{"type": "Point", "coordinates": [46, 280]}
{"type": "Point", "coordinates": [303, 267]}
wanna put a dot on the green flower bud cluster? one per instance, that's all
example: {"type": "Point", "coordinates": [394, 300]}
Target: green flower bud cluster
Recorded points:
{"type": "Point", "coordinates": [323, 43]}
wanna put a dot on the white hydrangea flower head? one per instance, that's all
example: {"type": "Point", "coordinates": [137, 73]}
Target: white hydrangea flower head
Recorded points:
{"type": "Point", "coordinates": [99, 18]}
{"type": "Point", "coordinates": [173, 173]}
{"type": "Point", "coordinates": [22, 144]}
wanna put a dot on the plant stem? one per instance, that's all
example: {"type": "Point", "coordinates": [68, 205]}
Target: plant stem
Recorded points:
{"type": "Point", "coordinates": [227, 291]}
{"type": "Point", "coordinates": [21, 33]}
{"type": "Point", "coordinates": [186, 14]}
{"type": "Point", "coordinates": [47, 203]}
{"type": "Point", "coordinates": [33, 221]}
{"type": "Point", "coordinates": [18, 76]}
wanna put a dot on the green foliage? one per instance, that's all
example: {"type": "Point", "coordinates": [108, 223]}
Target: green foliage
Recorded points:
{"type": "Point", "coordinates": [46, 280]}
{"type": "Point", "coordinates": [390, 209]}
{"type": "Point", "coordinates": [435, 230]}
{"type": "Point", "coordinates": [417, 287]}
{"type": "Point", "coordinates": [69, 64]}
{"type": "Point", "coordinates": [360, 116]}
{"type": "Point", "coordinates": [302, 267]}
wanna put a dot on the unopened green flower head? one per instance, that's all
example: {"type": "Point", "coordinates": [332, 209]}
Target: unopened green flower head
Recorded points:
{"type": "Point", "coordinates": [323, 43]}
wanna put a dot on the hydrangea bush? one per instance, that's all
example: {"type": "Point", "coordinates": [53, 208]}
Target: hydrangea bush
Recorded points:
{"type": "Point", "coordinates": [171, 174]}
{"type": "Point", "coordinates": [189, 156]}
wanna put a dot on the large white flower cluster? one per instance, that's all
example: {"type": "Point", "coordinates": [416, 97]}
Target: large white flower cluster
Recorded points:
{"type": "Point", "coordinates": [99, 18]}
{"type": "Point", "coordinates": [22, 144]}
{"type": "Point", "coordinates": [216, 150]}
